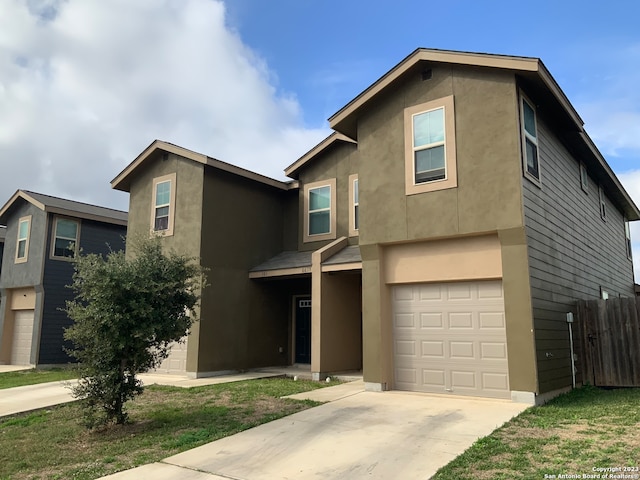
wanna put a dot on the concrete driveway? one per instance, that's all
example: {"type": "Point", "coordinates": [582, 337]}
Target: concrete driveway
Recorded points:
{"type": "Point", "coordinates": [362, 435]}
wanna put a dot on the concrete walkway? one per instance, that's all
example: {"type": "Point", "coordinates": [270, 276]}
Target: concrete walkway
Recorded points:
{"type": "Point", "coordinates": [360, 435]}
{"type": "Point", "coordinates": [32, 397]}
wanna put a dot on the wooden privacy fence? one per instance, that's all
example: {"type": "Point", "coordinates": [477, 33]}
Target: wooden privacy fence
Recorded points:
{"type": "Point", "coordinates": [609, 336]}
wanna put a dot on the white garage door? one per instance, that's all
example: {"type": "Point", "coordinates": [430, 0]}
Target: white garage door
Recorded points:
{"type": "Point", "coordinates": [451, 338]}
{"type": "Point", "coordinates": [22, 337]}
{"type": "Point", "coordinates": [176, 362]}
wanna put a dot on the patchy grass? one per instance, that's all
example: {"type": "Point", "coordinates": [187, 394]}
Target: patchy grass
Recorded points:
{"type": "Point", "coordinates": [53, 444]}
{"type": "Point", "coordinates": [35, 376]}
{"type": "Point", "coordinates": [573, 434]}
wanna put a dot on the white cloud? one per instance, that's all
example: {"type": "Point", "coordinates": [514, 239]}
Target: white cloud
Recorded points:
{"type": "Point", "coordinates": [609, 101]}
{"type": "Point", "coordinates": [631, 182]}
{"type": "Point", "coordinates": [86, 85]}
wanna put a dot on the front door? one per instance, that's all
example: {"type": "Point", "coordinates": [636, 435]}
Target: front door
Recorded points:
{"type": "Point", "coordinates": [303, 330]}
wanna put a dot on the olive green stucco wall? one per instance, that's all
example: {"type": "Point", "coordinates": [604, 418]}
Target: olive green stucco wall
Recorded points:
{"type": "Point", "coordinates": [338, 161]}
{"type": "Point", "coordinates": [245, 322]}
{"type": "Point", "coordinates": [188, 215]}
{"type": "Point", "coordinates": [488, 198]}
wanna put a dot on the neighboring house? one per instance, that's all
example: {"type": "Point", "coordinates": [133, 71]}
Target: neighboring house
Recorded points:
{"type": "Point", "coordinates": [436, 239]}
{"type": "Point", "coordinates": [43, 235]}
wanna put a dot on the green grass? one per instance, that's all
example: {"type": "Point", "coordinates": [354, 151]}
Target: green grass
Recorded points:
{"type": "Point", "coordinates": [572, 434]}
{"type": "Point", "coordinates": [53, 444]}
{"type": "Point", "coordinates": [35, 376]}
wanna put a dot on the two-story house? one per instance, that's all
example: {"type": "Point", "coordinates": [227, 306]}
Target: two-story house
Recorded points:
{"type": "Point", "coordinates": [43, 235]}
{"type": "Point", "coordinates": [436, 239]}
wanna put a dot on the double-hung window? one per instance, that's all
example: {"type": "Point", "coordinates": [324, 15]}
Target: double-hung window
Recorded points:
{"type": "Point", "coordinates": [22, 244]}
{"type": "Point", "coordinates": [627, 233]}
{"type": "Point", "coordinates": [430, 148]}
{"type": "Point", "coordinates": [65, 238]}
{"type": "Point", "coordinates": [530, 141]}
{"type": "Point", "coordinates": [354, 202]}
{"type": "Point", "coordinates": [163, 204]}
{"type": "Point", "coordinates": [603, 205]}
{"type": "Point", "coordinates": [320, 217]}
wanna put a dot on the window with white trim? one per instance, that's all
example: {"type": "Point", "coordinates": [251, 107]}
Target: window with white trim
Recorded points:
{"type": "Point", "coordinates": [530, 156]}
{"type": "Point", "coordinates": [22, 243]}
{"type": "Point", "coordinates": [163, 204]}
{"type": "Point", "coordinates": [65, 238]}
{"type": "Point", "coordinates": [430, 147]}
{"type": "Point", "coordinates": [319, 211]}
{"type": "Point", "coordinates": [354, 205]}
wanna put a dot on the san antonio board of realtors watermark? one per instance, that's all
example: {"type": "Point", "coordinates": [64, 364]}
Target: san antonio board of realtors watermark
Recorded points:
{"type": "Point", "coordinates": [609, 473]}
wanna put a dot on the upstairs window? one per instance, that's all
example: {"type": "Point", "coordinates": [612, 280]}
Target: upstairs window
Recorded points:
{"type": "Point", "coordinates": [319, 207]}
{"type": "Point", "coordinates": [163, 204]}
{"type": "Point", "coordinates": [22, 244]}
{"type": "Point", "coordinates": [603, 205]}
{"type": "Point", "coordinates": [65, 238]}
{"type": "Point", "coordinates": [430, 146]}
{"type": "Point", "coordinates": [354, 202]}
{"type": "Point", "coordinates": [584, 178]}
{"type": "Point", "coordinates": [627, 233]}
{"type": "Point", "coordinates": [530, 141]}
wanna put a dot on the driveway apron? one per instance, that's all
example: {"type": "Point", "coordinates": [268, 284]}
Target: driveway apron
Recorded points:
{"type": "Point", "coordinates": [364, 435]}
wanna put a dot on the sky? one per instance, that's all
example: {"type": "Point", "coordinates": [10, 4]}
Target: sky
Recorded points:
{"type": "Point", "coordinates": [87, 85]}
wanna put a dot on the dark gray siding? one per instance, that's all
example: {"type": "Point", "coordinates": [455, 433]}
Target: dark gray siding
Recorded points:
{"type": "Point", "coordinates": [95, 237]}
{"type": "Point", "coordinates": [573, 253]}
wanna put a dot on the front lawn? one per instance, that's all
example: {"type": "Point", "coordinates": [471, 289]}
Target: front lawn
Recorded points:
{"type": "Point", "coordinates": [53, 444]}
{"type": "Point", "coordinates": [575, 434]}
{"type": "Point", "coordinates": [33, 376]}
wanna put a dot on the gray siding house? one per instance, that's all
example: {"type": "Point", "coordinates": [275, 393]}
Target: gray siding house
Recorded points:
{"type": "Point", "coordinates": [43, 235]}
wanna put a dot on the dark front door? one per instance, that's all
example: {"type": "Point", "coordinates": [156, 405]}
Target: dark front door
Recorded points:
{"type": "Point", "coordinates": [303, 330]}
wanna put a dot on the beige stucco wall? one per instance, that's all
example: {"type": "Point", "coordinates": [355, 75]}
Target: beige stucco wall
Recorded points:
{"type": "Point", "coordinates": [188, 216]}
{"type": "Point", "coordinates": [465, 258]}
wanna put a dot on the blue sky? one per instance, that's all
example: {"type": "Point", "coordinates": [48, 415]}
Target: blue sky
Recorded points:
{"type": "Point", "coordinates": [86, 85]}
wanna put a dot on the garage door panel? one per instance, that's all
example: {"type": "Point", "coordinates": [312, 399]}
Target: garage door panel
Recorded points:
{"type": "Point", "coordinates": [406, 348]}
{"type": "Point", "coordinates": [407, 376]}
{"type": "Point", "coordinates": [434, 378]}
{"type": "Point", "coordinates": [176, 362]}
{"type": "Point", "coordinates": [432, 349]}
{"type": "Point", "coordinates": [405, 320]}
{"type": "Point", "coordinates": [431, 320]}
{"type": "Point", "coordinates": [489, 320]}
{"type": "Point", "coordinates": [493, 351]}
{"type": "Point", "coordinates": [461, 338]}
{"type": "Point", "coordinates": [461, 351]}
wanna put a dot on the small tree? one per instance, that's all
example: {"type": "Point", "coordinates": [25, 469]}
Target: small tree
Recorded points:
{"type": "Point", "coordinates": [126, 314]}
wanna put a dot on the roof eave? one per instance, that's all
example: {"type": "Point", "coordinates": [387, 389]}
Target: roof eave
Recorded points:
{"type": "Point", "coordinates": [292, 170]}
{"type": "Point", "coordinates": [341, 118]}
{"type": "Point", "coordinates": [18, 194]}
{"type": "Point", "coordinates": [123, 180]}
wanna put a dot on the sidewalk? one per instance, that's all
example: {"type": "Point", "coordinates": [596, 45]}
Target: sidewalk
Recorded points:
{"type": "Point", "coordinates": [32, 397]}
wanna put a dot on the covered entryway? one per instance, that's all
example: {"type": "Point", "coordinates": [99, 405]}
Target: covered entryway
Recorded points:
{"type": "Point", "coordinates": [22, 337]}
{"type": "Point", "coordinates": [450, 338]}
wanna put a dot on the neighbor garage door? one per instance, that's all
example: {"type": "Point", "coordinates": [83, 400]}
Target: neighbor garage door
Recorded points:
{"type": "Point", "coordinates": [176, 362]}
{"type": "Point", "coordinates": [450, 338]}
{"type": "Point", "coordinates": [22, 337]}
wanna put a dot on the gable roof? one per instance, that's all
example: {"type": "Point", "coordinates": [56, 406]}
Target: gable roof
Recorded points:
{"type": "Point", "coordinates": [292, 170]}
{"type": "Point", "coordinates": [48, 203]}
{"type": "Point", "coordinates": [123, 180]}
{"type": "Point", "coordinates": [531, 70]}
